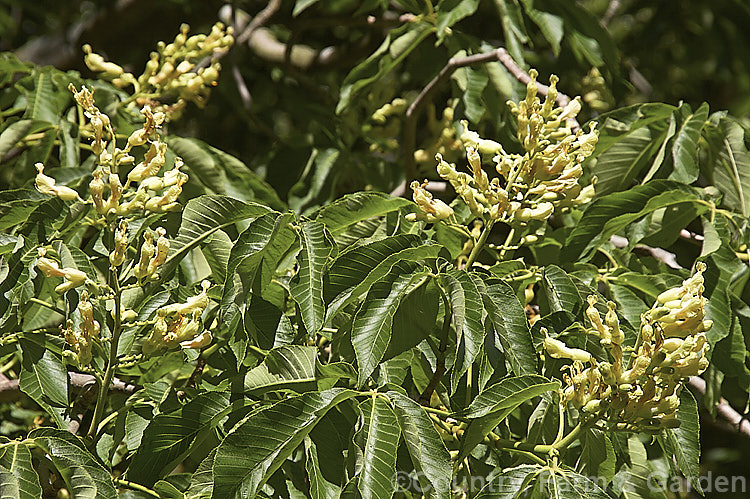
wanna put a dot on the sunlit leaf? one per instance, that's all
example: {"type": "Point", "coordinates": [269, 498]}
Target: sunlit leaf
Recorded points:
{"type": "Point", "coordinates": [612, 213]}
{"type": "Point", "coordinates": [377, 439]}
{"type": "Point", "coordinates": [684, 442]}
{"type": "Point", "coordinates": [510, 323]}
{"type": "Point", "coordinates": [286, 366]}
{"type": "Point", "coordinates": [17, 475]}
{"type": "Point", "coordinates": [427, 450]}
{"type": "Point", "coordinates": [169, 437]}
{"type": "Point", "coordinates": [262, 441]}
{"type": "Point", "coordinates": [201, 217]}
{"type": "Point", "coordinates": [82, 473]}
{"type": "Point", "coordinates": [372, 326]}
{"type": "Point", "coordinates": [307, 285]}
{"type": "Point", "coordinates": [467, 308]}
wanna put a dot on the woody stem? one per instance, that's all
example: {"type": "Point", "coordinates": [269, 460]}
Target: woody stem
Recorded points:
{"type": "Point", "coordinates": [479, 244]}
{"type": "Point", "coordinates": [101, 398]}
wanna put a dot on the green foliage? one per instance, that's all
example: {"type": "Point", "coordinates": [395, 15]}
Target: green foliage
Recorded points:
{"type": "Point", "coordinates": [248, 313]}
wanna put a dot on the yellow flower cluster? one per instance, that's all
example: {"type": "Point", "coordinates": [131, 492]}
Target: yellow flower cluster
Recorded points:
{"type": "Point", "coordinates": [643, 394]}
{"type": "Point", "coordinates": [146, 197]}
{"type": "Point", "coordinates": [446, 143]}
{"type": "Point", "coordinates": [180, 325]}
{"type": "Point", "coordinates": [173, 72]}
{"type": "Point", "coordinates": [81, 339]}
{"type": "Point", "coordinates": [529, 186]}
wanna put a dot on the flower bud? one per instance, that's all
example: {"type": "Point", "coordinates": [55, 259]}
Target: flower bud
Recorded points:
{"type": "Point", "coordinates": [613, 323]}
{"type": "Point", "coordinates": [671, 344]}
{"type": "Point", "coordinates": [155, 341]}
{"type": "Point", "coordinates": [671, 295]}
{"type": "Point", "coordinates": [151, 164]}
{"type": "Point", "coordinates": [96, 188]}
{"type": "Point", "coordinates": [558, 349]}
{"type": "Point", "coordinates": [486, 146]}
{"type": "Point", "coordinates": [147, 252]}
{"type": "Point", "coordinates": [115, 194]}
{"type": "Point", "coordinates": [117, 257]}
{"type": "Point", "coordinates": [571, 110]}
{"type": "Point", "coordinates": [435, 209]}
{"type": "Point", "coordinates": [48, 267]}
{"type": "Point", "coordinates": [46, 185]}
{"type": "Point", "coordinates": [95, 62]}
{"type": "Point", "coordinates": [128, 315]}
{"type": "Point", "coordinates": [73, 279]}
{"type": "Point", "coordinates": [198, 302]}
{"type": "Point", "coordinates": [162, 248]}
{"type": "Point", "coordinates": [593, 406]}
{"type": "Point", "coordinates": [200, 341]}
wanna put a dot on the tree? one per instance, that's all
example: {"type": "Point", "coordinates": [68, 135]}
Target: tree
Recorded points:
{"type": "Point", "coordinates": [206, 289]}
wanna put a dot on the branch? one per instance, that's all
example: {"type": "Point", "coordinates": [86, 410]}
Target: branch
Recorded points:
{"type": "Point", "coordinates": [434, 186]}
{"type": "Point", "coordinates": [723, 409]}
{"type": "Point", "coordinates": [9, 389]}
{"type": "Point", "coordinates": [659, 254]}
{"type": "Point", "coordinates": [424, 399]}
{"type": "Point", "coordinates": [412, 113]}
{"type": "Point", "coordinates": [259, 20]}
{"type": "Point", "coordinates": [611, 11]}
{"type": "Point", "coordinates": [264, 43]}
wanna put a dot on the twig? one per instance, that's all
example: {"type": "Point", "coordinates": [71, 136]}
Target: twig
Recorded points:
{"type": "Point", "coordinates": [611, 11]}
{"type": "Point", "coordinates": [9, 389]}
{"type": "Point", "coordinates": [659, 254]}
{"type": "Point", "coordinates": [245, 95]}
{"type": "Point", "coordinates": [240, 23]}
{"type": "Point", "coordinates": [135, 486]}
{"type": "Point", "coordinates": [412, 113]}
{"type": "Point", "coordinates": [424, 399]}
{"type": "Point", "coordinates": [723, 408]}
{"type": "Point", "coordinates": [434, 186]}
{"type": "Point", "coordinates": [259, 20]}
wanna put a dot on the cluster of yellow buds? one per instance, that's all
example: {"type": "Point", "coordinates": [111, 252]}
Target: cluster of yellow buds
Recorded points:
{"type": "Point", "coordinates": [174, 72]}
{"type": "Point", "coordinates": [681, 311]}
{"type": "Point", "coordinates": [152, 256]}
{"type": "Point", "coordinates": [46, 185]}
{"type": "Point", "coordinates": [120, 202]}
{"type": "Point", "coordinates": [596, 93]}
{"type": "Point", "coordinates": [98, 121]}
{"type": "Point", "coordinates": [50, 268]}
{"type": "Point", "coordinates": [179, 325]}
{"type": "Point", "coordinates": [432, 209]}
{"type": "Point", "coordinates": [537, 182]}
{"type": "Point", "coordinates": [396, 107]}
{"type": "Point", "coordinates": [81, 339]}
{"type": "Point", "coordinates": [642, 394]}
{"type": "Point", "coordinates": [385, 125]}
{"type": "Point", "coordinates": [119, 252]}
{"type": "Point", "coordinates": [446, 142]}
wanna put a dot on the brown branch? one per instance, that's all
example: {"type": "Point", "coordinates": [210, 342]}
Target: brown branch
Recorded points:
{"type": "Point", "coordinates": [660, 254]}
{"type": "Point", "coordinates": [264, 43]}
{"type": "Point", "coordinates": [611, 11]}
{"type": "Point", "coordinates": [242, 23]}
{"type": "Point", "coordinates": [424, 399]}
{"type": "Point", "coordinates": [412, 113]}
{"type": "Point", "coordinates": [10, 390]}
{"type": "Point", "coordinates": [434, 186]}
{"type": "Point", "coordinates": [259, 20]}
{"type": "Point", "coordinates": [426, 396]}
{"type": "Point", "coordinates": [723, 408]}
